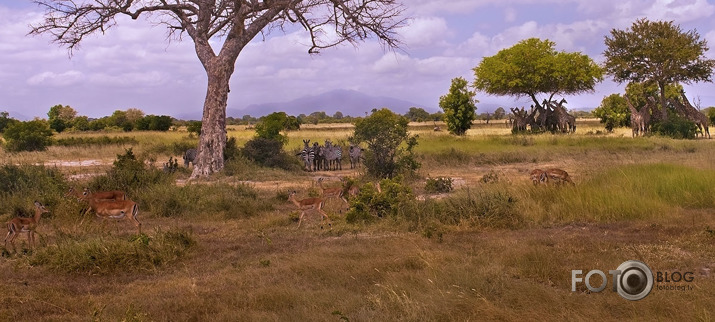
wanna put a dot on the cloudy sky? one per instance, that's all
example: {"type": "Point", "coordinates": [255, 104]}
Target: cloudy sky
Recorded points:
{"type": "Point", "coordinates": [134, 66]}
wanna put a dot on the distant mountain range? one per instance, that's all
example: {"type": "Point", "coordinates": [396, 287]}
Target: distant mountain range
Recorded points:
{"type": "Point", "coordinates": [348, 102]}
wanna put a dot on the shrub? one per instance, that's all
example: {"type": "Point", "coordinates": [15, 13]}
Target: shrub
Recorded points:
{"type": "Point", "coordinates": [269, 153]}
{"type": "Point", "coordinates": [458, 106]}
{"type": "Point", "coordinates": [370, 204]}
{"type": "Point", "coordinates": [439, 185]}
{"type": "Point", "coordinates": [28, 136]}
{"type": "Point", "coordinates": [130, 173]}
{"type": "Point", "coordinates": [676, 127]}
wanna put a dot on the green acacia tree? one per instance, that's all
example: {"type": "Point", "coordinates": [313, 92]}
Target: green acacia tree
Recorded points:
{"type": "Point", "coordinates": [61, 117]}
{"type": "Point", "coordinates": [533, 67]}
{"type": "Point", "coordinates": [657, 52]}
{"type": "Point", "coordinates": [459, 107]}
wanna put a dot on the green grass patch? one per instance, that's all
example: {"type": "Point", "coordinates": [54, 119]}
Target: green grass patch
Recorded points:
{"type": "Point", "coordinates": [108, 255]}
{"type": "Point", "coordinates": [643, 191]}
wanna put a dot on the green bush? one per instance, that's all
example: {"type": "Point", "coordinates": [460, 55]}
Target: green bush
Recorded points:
{"type": "Point", "coordinates": [676, 127]}
{"type": "Point", "coordinates": [269, 153]}
{"type": "Point", "coordinates": [28, 136]}
{"type": "Point", "coordinates": [370, 204]}
{"type": "Point", "coordinates": [439, 185]}
{"type": "Point", "coordinates": [130, 174]}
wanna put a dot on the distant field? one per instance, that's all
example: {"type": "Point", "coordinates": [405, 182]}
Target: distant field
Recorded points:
{"type": "Point", "coordinates": [229, 249]}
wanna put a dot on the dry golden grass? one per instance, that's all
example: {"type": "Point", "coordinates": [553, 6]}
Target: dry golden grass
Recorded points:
{"type": "Point", "coordinates": [264, 268]}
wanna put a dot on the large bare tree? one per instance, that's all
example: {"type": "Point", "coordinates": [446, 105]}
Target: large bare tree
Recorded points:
{"type": "Point", "coordinates": [233, 23]}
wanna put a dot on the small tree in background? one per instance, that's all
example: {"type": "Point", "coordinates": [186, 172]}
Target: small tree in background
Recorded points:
{"type": "Point", "coordinates": [33, 135]}
{"type": "Point", "coordinates": [60, 117]}
{"type": "Point", "coordinates": [384, 132]}
{"type": "Point", "coordinates": [6, 121]}
{"type": "Point", "coordinates": [499, 113]}
{"type": "Point", "coordinates": [458, 106]}
{"type": "Point", "coordinates": [613, 112]}
{"type": "Point", "coordinates": [271, 126]}
{"type": "Point", "coordinates": [194, 127]}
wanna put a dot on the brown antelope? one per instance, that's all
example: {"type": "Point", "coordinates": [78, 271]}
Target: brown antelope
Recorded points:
{"type": "Point", "coordinates": [308, 204]}
{"type": "Point", "coordinates": [114, 209]}
{"type": "Point", "coordinates": [538, 176]}
{"type": "Point", "coordinates": [336, 192]}
{"type": "Point", "coordinates": [101, 195]}
{"type": "Point", "coordinates": [19, 224]}
{"type": "Point", "coordinates": [559, 175]}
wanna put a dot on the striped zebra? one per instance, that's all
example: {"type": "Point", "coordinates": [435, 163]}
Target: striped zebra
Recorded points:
{"type": "Point", "coordinates": [334, 155]}
{"type": "Point", "coordinates": [355, 153]}
{"type": "Point", "coordinates": [318, 157]}
{"type": "Point", "coordinates": [190, 156]}
{"type": "Point", "coordinates": [307, 155]}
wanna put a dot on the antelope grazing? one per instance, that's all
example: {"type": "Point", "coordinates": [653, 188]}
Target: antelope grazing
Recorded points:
{"type": "Point", "coordinates": [538, 176]}
{"type": "Point", "coordinates": [19, 224]}
{"type": "Point", "coordinates": [559, 175]}
{"type": "Point", "coordinates": [336, 192]}
{"type": "Point", "coordinates": [309, 204]}
{"type": "Point", "coordinates": [113, 209]}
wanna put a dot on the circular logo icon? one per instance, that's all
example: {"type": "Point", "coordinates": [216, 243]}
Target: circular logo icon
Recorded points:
{"type": "Point", "coordinates": [635, 281]}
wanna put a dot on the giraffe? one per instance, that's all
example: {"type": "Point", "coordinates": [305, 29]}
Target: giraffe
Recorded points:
{"type": "Point", "coordinates": [693, 115]}
{"type": "Point", "coordinates": [522, 119]}
{"type": "Point", "coordinates": [637, 123]}
{"type": "Point", "coordinates": [559, 119]}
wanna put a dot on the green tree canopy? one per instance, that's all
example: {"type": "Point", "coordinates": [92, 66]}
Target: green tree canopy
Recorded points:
{"type": "Point", "coordinates": [458, 106]}
{"type": "Point", "coordinates": [657, 52]}
{"type": "Point", "coordinates": [533, 67]}
{"type": "Point", "coordinates": [33, 135]}
{"type": "Point", "coordinates": [613, 112]}
{"type": "Point", "coordinates": [417, 114]}
{"type": "Point", "coordinates": [271, 125]}
{"type": "Point", "coordinates": [499, 113]}
{"type": "Point", "coordinates": [61, 117]}
{"type": "Point", "coordinates": [384, 132]}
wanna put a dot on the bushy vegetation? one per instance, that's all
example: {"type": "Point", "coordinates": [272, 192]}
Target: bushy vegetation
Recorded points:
{"type": "Point", "coordinates": [268, 153]}
{"type": "Point", "coordinates": [28, 136]}
{"type": "Point", "coordinates": [100, 140]}
{"type": "Point", "coordinates": [385, 132]}
{"type": "Point", "coordinates": [676, 127]}
{"type": "Point", "coordinates": [129, 173]}
{"type": "Point", "coordinates": [613, 112]}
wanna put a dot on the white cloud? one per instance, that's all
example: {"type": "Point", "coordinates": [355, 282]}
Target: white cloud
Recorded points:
{"type": "Point", "coordinates": [425, 32]}
{"type": "Point", "coordinates": [510, 14]}
{"type": "Point", "coordinates": [67, 78]}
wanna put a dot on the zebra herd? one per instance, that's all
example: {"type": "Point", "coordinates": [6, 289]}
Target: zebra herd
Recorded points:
{"type": "Point", "coordinates": [328, 157]}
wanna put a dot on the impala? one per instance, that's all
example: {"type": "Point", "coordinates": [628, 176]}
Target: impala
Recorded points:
{"type": "Point", "coordinates": [558, 174]}
{"type": "Point", "coordinates": [336, 192]}
{"type": "Point", "coordinates": [19, 224]}
{"type": "Point", "coordinates": [115, 209]}
{"type": "Point", "coordinates": [309, 204]}
{"type": "Point", "coordinates": [538, 176]}
{"type": "Point", "coordinates": [102, 195]}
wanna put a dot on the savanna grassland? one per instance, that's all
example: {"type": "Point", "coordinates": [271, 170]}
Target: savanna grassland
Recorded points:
{"type": "Point", "coordinates": [497, 247]}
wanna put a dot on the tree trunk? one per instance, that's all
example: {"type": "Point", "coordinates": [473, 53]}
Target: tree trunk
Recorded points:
{"type": "Point", "coordinates": [212, 140]}
{"type": "Point", "coordinates": [664, 109]}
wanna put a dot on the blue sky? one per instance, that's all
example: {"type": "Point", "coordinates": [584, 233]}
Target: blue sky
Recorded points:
{"type": "Point", "coordinates": [134, 66]}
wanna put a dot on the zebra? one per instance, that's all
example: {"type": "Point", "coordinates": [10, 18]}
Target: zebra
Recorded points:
{"type": "Point", "coordinates": [334, 155]}
{"type": "Point", "coordinates": [355, 153]}
{"type": "Point", "coordinates": [318, 157]}
{"type": "Point", "coordinates": [190, 156]}
{"type": "Point", "coordinates": [307, 155]}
